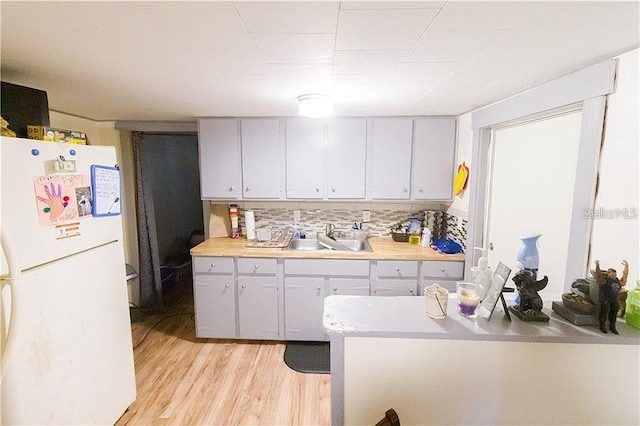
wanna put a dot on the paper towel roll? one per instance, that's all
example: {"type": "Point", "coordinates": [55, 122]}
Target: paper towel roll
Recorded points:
{"type": "Point", "coordinates": [250, 222]}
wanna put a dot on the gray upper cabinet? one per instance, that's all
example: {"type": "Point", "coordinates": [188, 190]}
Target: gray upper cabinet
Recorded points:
{"type": "Point", "coordinates": [262, 165]}
{"type": "Point", "coordinates": [433, 158]}
{"type": "Point", "coordinates": [305, 158]}
{"type": "Point", "coordinates": [346, 158]}
{"type": "Point", "coordinates": [219, 150]}
{"type": "Point", "coordinates": [391, 158]}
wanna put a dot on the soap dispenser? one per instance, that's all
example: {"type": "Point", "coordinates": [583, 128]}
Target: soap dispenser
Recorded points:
{"type": "Point", "coordinates": [482, 273]}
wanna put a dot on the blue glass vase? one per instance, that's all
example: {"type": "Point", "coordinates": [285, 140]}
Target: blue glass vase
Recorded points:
{"type": "Point", "coordinates": [528, 256]}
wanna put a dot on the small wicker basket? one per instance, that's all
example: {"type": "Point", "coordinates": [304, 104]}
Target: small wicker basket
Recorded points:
{"type": "Point", "coordinates": [400, 237]}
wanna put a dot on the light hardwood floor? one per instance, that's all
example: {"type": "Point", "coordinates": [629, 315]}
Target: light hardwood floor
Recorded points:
{"type": "Point", "coordinates": [182, 380]}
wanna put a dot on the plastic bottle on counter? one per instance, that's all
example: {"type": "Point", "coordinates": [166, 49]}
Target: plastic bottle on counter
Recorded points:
{"type": "Point", "coordinates": [426, 237]}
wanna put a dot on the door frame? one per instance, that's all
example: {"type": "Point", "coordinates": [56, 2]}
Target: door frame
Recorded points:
{"type": "Point", "coordinates": [587, 88]}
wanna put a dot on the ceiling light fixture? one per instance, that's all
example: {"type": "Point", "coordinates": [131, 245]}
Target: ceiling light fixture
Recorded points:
{"type": "Point", "coordinates": [314, 106]}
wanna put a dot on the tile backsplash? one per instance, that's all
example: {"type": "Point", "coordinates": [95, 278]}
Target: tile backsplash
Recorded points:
{"type": "Point", "coordinates": [314, 217]}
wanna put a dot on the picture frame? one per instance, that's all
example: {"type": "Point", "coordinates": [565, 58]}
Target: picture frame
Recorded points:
{"type": "Point", "coordinates": [498, 281]}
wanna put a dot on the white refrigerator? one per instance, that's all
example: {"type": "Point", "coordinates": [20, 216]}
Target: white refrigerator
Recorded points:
{"type": "Point", "coordinates": [67, 355]}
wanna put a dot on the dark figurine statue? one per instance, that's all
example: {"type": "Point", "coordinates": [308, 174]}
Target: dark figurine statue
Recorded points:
{"type": "Point", "coordinates": [528, 288]}
{"type": "Point", "coordinates": [609, 303]}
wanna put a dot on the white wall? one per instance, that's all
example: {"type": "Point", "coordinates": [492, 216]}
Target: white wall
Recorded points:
{"type": "Point", "coordinates": [460, 205]}
{"type": "Point", "coordinates": [618, 237]}
{"type": "Point", "coordinates": [613, 239]}
{"type": "Point", "coordinates": [451, 382]}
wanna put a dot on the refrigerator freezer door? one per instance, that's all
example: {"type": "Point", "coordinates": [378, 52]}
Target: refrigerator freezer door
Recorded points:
{"type": "Point", "coordinates": [33, 243]}
{"type": "Point", "coordinates": [70, 358]}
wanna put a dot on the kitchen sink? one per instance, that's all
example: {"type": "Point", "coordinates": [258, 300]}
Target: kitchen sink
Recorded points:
{"type": "Point", "coordinates": [311, 244]}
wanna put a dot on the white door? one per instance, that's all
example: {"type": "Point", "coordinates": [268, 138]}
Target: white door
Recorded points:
{"type": "Point", "coordinates": [261, 165]}
{"type": "Point", "coordinates": [303, 308]}
{"type": "Point", "coordinates": [258, 308]}
{"type": "Point", "coordinates": [346, 158]}
{"type": "Point", "coordinates": [215, 306]}
{"type": "Point", "coordinates": [305, 158]}
{"type": "Point", "coordinates": [533, 170]}
{"type": "Point", "coordinates": [219, 151]}
{"type": "Point", "coordinates": [391, 158]}
{"type": "Point", "coordinates": [433, 158]}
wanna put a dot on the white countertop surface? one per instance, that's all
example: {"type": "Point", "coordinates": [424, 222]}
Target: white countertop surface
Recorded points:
{"type": "Point", "coordinates": [404, 317]}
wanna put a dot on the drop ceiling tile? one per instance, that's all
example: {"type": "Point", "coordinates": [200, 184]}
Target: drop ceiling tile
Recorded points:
{"type": "Point", "coordinates": [381, 29]}
{"type": "Point", "coordinates": [350, 5]}
{"type": "Point", "coordinates": [486, 15]}
{"type": "Point", "coordinates": [295, 48]}
{"type": "Point", "coordinates": [299, 73]}
{"type": "Point", "coordinates": [425, 71]}
{"type": "Point", "coordinates": [367, 61]}
{"type": "Point", "coordinates": [454, 46]}
{"type": "Point", "coordinates": [318, 17]}
{"type": "Point", "coordinates": [360, 79]}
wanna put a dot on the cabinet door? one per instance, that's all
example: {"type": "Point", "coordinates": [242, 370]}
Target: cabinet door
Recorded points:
{"type": "Point", "coordinates": [391, 158]}
{"type": "Point", "coordinates": [394, 288]}
{"type": "Point", "coordinates": [346, 158]}
{"type": "Point", "coordinates": [215, 306]}
{"type": "Point", "coordinates": [261, 160]}
{"type": "Point", "coordinates": [305, 158]}
{"type": "Point", "coordinates": [219, 150]}
{"type": "Point", "coordinates": [433, 158]}
{"type": "Point", "coordinates": [258, 307]}
{"type": "Point", "coordinates": [303, 308]}
{"type": "Point", "coordinates": [348, 286]}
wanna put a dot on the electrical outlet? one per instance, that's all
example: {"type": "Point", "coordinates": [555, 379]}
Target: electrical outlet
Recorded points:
{"type": "Point", "coordinates": [296, 216]}
{"type": "Point", "coordinates": [366, 216]}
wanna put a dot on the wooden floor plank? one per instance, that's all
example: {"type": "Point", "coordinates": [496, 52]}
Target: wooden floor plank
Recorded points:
{"type": "Point", "coordinates": [183, 380]}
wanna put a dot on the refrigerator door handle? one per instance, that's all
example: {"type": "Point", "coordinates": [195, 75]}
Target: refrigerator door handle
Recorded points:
{"type": "Point", "coordinates": [8, 311]}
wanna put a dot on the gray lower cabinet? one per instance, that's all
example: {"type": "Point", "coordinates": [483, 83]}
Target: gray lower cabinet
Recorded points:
{"type": "Point", "coordinates": [443, 273]}
{"type": "Point", "coordinates": [214, 297]}
{"type": "Point", "coordinates": [307, 282]}
{"type": "Point", "coordinates": [395, 278]}
{"type": "Point", "coordinates": [258, 299]}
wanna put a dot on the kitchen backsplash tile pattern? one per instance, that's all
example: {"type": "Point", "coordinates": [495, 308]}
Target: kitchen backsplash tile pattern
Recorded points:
{"type": "Point", "coordinates": [314, 220]}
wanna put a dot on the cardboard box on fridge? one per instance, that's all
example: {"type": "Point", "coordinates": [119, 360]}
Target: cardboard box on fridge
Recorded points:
{"type": "Point", "coordinates": [51, 134]}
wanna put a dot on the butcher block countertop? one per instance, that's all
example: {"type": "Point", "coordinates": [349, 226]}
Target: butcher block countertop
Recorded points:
{"type": "Point", "coordinates": [384, 248]}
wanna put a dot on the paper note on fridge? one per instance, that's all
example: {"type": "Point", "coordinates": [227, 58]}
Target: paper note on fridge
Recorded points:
{"type": "Point", "coordinates": [62, 198]}
{"type": "Point", "coordinates": [106, 191]}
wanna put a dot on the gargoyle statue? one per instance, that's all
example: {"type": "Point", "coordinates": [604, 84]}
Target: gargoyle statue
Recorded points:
{"type": "Point", "coordinates": [528, 288]}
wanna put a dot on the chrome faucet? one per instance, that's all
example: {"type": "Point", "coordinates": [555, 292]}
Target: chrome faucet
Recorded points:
{"type": "Point", "coordinates": [331, 232]}
{"type": "Point", "coordinates": [329, 229]}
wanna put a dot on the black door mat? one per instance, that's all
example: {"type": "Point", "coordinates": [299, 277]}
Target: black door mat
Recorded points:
{"type": "Point", "coordinates": [308, 357]}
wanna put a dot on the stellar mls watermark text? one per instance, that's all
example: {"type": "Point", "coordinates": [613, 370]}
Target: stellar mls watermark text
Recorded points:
{"type": "Point", "coordinates": [606, 213]}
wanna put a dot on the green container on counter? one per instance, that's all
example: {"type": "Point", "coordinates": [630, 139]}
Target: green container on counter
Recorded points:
{"type": "Point", "coordinates": [632, 316]}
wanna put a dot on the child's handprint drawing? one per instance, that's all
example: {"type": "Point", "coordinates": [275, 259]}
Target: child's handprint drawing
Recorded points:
{"type": "Point", "coordinates": [55, 201]}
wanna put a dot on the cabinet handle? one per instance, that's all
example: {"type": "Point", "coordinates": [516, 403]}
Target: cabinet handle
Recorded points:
{"type": "Point", "coordinates": [244, 286]}
{"type": "Point", "coordinates": [226, 286]}
{"type": "Point", "coordinates": [257, 266]}
{"type": "Point", "coordinates": [441, 269]}
{"type": "Point", "coordinates": [317, 189]}
{"type": "Point", "coordinates": [404, 190]}
{"type": "Point", "coordinates": [411, 290]}
{"type": "Point", "coordinates": [335, 289]}
{"type": "Point", "coordinates": [318, 288]}
{"type": "Point", "coordinates": [231, 188]}
{"type": "Point", "coordinates": [213, 265]}
{"type": "Point", "coordinates": [420, 190]}
{"type": "Point", "coordinates": [247, 189]}
{"type": "Point", "coordinates": [397, 269]}
{"type": "Point", "coordinates": [333, 190]}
